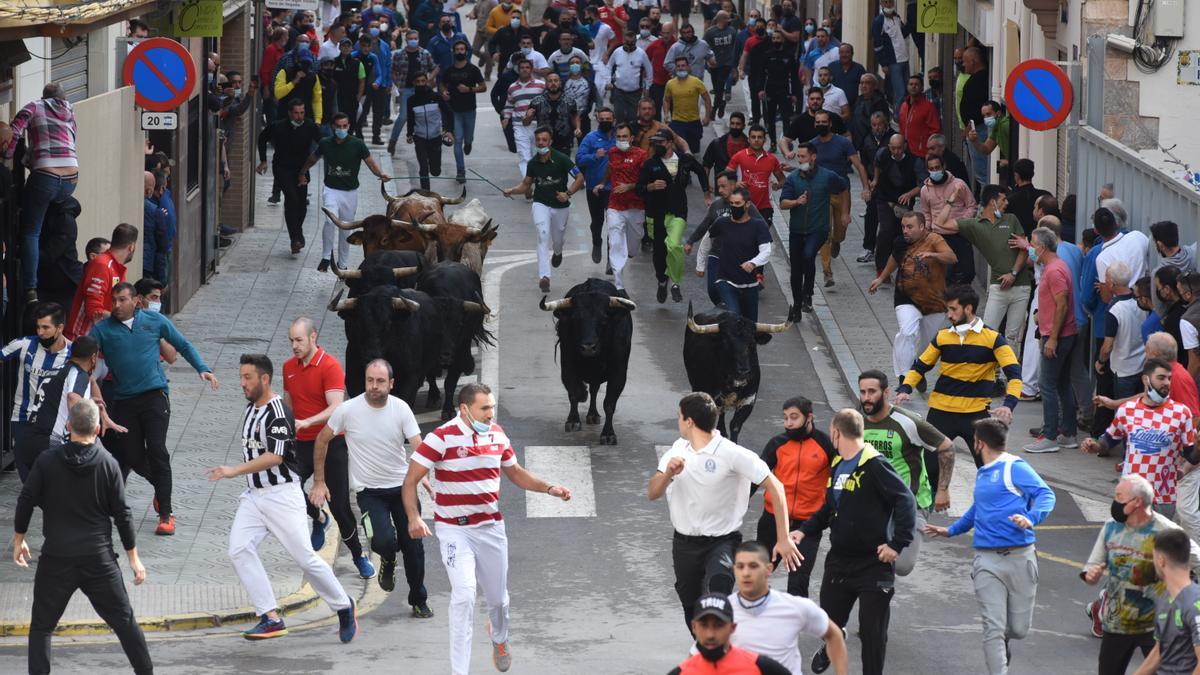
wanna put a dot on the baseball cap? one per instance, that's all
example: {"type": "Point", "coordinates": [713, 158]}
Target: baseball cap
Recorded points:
{"type": "Point", "coordinates": [345, 41]}
{"type": "Point", "coordinates": [713, 604]}
{"type": "Point", "coordinates": [663, 135]}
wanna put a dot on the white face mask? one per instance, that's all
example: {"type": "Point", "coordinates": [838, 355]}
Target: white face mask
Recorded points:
{"type": "Point", "coordinates": [622, 145]}
{"type": "Point", "coordinates": [805, 166]}
{"type": "Point", "coordinates": [153, 306]}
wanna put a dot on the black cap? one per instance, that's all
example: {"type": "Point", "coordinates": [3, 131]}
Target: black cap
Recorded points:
{"type": "Point", "coordinates": [714, 604]}
{"type": "Point", "coordinates": [345, 41]}
{"type": "Point", "coordinates": [663, 135]}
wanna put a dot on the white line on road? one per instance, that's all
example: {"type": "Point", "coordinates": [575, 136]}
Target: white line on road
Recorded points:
{"type": "Point", "coordinates": [1094, 510]}
{"type": "Point", "coordinates": [489, 369]}
{"type": "Point", "coordinates": [962, 486]}
{"type": "Point", "coordinates": [568, 465]}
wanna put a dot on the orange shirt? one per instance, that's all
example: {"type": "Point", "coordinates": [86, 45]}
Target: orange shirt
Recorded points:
{"type": "Point", "coordinates": [306, 386]}
{"type": "Point", "coordinates": [803, 468]}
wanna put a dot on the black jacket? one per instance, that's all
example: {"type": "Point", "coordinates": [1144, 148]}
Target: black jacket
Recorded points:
{"type": "Point", "coordinates": [716, 155]}
{"type": "Point", "coordinates": [673, 200]}
{"type": "Point", "coordinates": [81, 493]}
{"type": "Point", "coordinates": [779, 73]}
{"type": "Point", "coordinates": [876, 508]}
{"type": "Point", "coordinates": [292, 144]}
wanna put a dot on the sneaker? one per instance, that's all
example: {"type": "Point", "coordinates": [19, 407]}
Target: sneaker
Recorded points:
{"type": "Point", "coordinates": [556, 260]}
{"type": "Point", "coordinates": [596, 253]}
{"type": "Point", "coordinates": [501, 658]}
{"type": "Point", "coordinates": [266, 629]}
{"type": "Point", "coordinates": [1036, 432]}
{"type": "Point", "coordinates": [1037, 396]}
{"type": "Point", "coordinates": [662, 292]}
{"type": "Point", "coordinates": [461, 178]}
{"type": "Point", "coordinates": [1041, 446]}
{"type": "Point", "coordinates": [829, 281]}
{"type": "Point", "coordinates": [806, 307]}
{"type": "Point", "coordinates": [387, 575]}
{"type": "Point", "coordinates": [466, 148]}
{"type": "Point", "coordinates": [273, 199]}
{"type": "Point", "coordinates": [365, 569]}
{"type": "Point", "coordinates": [391, 147]}
{"type": "Point", "coordinates": [676, 293]}
{"type": "Point", "coordinates": [422, 611]}
{"type": "Point", "coordinates": [224, 242]}
{"type": "Point", "coordinates": [835, 249]}
{"type": "Point", "coordinates": [1092, 610]}
{"type": "Point", "coordinates": [623, 293]}
{"type": "Point", "coordinates": [820, 661]}
{"type": "Point", "coordinates": [1067, 442]}
{"type": "Point", "coordinates": [323, 266]}
{"type": "Point", "coordinates": [867, 256]}
{"type": "Point", "coordinates": [347, 623]}
{"type": "Point", "coordinates": [318, 532]}
{"type": "Point", "coordinates": [544, 284]}
{"type": "Point", "coordinates": [166, 526]}
{"type": "Point", "coordinates": [297, 246]}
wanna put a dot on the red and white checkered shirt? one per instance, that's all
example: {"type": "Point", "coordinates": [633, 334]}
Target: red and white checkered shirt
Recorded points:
{"type": "Point", "coordinates": [1156, 439]}
{"type": "Point", "coordinates": [50, 123]}
{"type": "Point", "coordinates": [466, 472]}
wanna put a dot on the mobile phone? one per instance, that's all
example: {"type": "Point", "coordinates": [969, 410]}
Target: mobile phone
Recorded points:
{"type": "Point", "coordinates": [972, 124]}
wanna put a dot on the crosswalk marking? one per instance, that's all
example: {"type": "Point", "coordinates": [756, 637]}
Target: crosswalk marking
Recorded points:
{"type": "Point", "coordinates": [1094, 510]}
{"type": "Point", "coordinates": [569, 465]}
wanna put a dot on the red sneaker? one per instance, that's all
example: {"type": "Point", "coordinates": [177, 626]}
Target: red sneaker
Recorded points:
{"type": "Point", "coordinates": [166, 526]}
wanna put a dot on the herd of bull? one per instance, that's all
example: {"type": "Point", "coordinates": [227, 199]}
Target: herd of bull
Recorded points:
{"type": "Point", "coordinates": [417, 301]}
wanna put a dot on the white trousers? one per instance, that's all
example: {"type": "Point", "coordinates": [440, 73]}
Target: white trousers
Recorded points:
{"type": "Point", "coordinates": [343, 203]}
{"type": "Point", "coordinates": [551, 227]}
{"type": "Point", "coordinates": [1187, 504]}
{"type": "Point", "coordinates": [523, 135]}
{"type": "Point", "coordinates": [625, 230]}
{"type": "Point", "coordinates": [474, 555]}
{"type": "Point", "coordinates": [916, 331]}
{"type": "Point", "coordinates": [1008, 304]}
{"type": "Point", "coordinates": [278, 510]}
{"type": "Point", "coordinates": [1031, 353]}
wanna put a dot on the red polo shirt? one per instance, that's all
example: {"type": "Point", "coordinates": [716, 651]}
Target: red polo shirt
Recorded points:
{"type": "Point", "coordinates": [657, 51]}
{"type": "Point", "coordinates": [306, 385]}
{"type": "Point", "coordinates": [624, 169]}
{"type": "Point", "coordinates": [756, 174]}
{"type": "Point", "coordinates": [1183, 387]}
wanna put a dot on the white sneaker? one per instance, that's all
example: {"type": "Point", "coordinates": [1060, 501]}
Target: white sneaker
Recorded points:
{"type": "Point", "coordinates": [1041, 446]}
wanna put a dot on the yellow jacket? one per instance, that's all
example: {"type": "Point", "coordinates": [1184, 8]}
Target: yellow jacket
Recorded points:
{"type": "Point", "coordinates": [499, 18]}
{"type": "Point", "coordinates": [284, 86]}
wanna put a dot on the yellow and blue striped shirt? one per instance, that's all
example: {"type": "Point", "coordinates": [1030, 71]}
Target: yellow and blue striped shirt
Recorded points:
{"type": "Point", "coordinates": [969, 359]}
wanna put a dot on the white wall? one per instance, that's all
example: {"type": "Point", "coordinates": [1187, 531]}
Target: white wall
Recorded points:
{"type": "Point", "coordinates": [1174, 104]}
{"type": "Point", "coordinates": [31, 76]}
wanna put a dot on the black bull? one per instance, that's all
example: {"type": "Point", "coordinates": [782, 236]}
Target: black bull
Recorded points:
{"type": "Point", "coordinates": [381, 268]}
{"type": "Point", "coordinates": [720, 353]}
{"type": "Point", "coordinates": [398, 325]}
{"type": "Point", "coordinates": [595, 331]}
{"type": "Point", "coordinates": [458, 297]}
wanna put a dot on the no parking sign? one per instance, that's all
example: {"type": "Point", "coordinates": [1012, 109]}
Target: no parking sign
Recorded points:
{"type": "Point", "coordinates": [1039, 94]}
{"type": "Point", "coordinates": [162, 74]}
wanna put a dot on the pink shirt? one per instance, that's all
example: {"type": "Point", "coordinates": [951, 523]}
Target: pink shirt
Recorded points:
{"type": "Point", "coordinates": [1056, 279]}
{"type": "Point", "coordinates": [933, 198]}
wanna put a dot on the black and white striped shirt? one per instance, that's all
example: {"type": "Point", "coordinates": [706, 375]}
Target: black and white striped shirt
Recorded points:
{"type": "Point", "coordinates": [270, 429]}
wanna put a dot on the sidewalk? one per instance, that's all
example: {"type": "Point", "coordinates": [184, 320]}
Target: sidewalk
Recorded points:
{"type": "Point", "coordinates": [246, 307]}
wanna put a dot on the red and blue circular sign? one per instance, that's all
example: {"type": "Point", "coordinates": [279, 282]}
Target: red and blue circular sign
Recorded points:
{"type": "Point", "coordinates": [162, 74]}
{"type": "Point", "coordinates": [1039, 94]}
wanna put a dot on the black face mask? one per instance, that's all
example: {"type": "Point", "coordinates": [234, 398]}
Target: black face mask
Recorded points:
{"type": "Point", "coordinates": [935, 85]}
{"type": "Point", "coordinates": [460, 57]}
{"type": "Point", "coordinates": [760, 31]}
{"type": "Point", "coordinates": [737, 211]}
{"type": "Point", "coordinates": [46, 343]}
{"type": "Point", "coordinates": [605, 127]}
{"type": "Point", "coordinates": [711, 655]}
{"type": "Point", "coordinates": [660, 151]}
{"type": "Point", "coordinates": [1117, 511]}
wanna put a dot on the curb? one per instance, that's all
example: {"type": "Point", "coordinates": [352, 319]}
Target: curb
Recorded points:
{"type": "Point", "coordinates": [298, 601]}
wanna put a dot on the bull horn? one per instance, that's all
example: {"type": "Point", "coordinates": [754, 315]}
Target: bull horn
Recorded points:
{"type": "Point", "coordinates": [428, 228]}
{"type": "Point", "coordinates": [344, 274]}
{"type": "Point", "coordinates": [401, 223]}
{"type": "Point", "coordinates": [383, 189]}
{"type": "Point", "coordinates": [401, 272]}
{"type": "Point", "coordinates": [353, 225]}
{"type": "Point", "coordinates": [555, 305]}
{"type": "Point", "coordinates": [339, 305]}
{"type": "Point", "coordinates": [405, 305]}
{"type": "Point", "coordinates": [475, 307]}
{"type": "Point", "coordinates": [451, 202]}
{"type": "Point", "coordinates": [334, 302]}
{"type": "Point", "coordinates": [776, 327]}
{"type": "Point", "coordinates": [615, 302]}
{"type": "Point", "coordinates": [700, 329]}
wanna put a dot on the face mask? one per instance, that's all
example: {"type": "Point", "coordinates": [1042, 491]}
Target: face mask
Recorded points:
{"type": "Point", "coordinates": [542, 151]}
{"type": "Point", "coordinates": [1032, 254]}
{"type": "Point", "coordinates": [770, 31]}
{"type": "Point", "coordinates": [1156, 397]}
{"type": "Point", "coordinates": [645, 32]}
{"type": "Point", "coordinates": [1117, 511]}
{"type": "Point", "coordinates": [47, 342]}
{"type": "Point", "coordinates": [989, 122]}
{"type": "Point", "coordinates": [479, 427]}
{"type": "Point", "coordinates": [460, 57]}
{"type": "Point", "coordinates": [797, 434]}
{"type": "Point", "coordinates": [737, 211]}
{"type": "Point", "coordinates": [822, 129]}
{"type": "Point", "coordinates": [341, 133]}
{"type": "Point", "coordinates": [526, 51]}
{"type": "Point", "coordinates": [237, 92]}
{"type": "Point", "coordinates": [297, 124]}
{"type": "Point", "coordinates": [622, 145]}
{"type": "Point", "coordinates": [660, 151]}
{"type": "Point", "coordinates": [750, 22]}
{"type": "Point", "coordinates": [153, 306]}
{"type": "Point", "coordinates": [937, 176]}
{"type": "Point", "coordinates": [447, 29]}
{"type": "Point", "coordinates": [604, 127]}
{"type": "Point", "coordinates": [515, 23]}
{"type": "Point", "coordinates": [374, 32]}
{"type": "Point", "coordinates": [889, 10]}
{"type": "Point", "coordinates": [805, 167]}
{"type": "Point", "coordinates": [681, 74]}
{"type": "Point", "coordinates": [412, 44]}
{"type": "Point", "coordinates": [787, 11]}
{"type": "Point", "coordinates": [809, 29]}
{"type": "Point", "coordinates": [999, 212]}
{"type": "Point", "coordinates": [711, 655]}
{"type": "Point", "coordinates": [760, 31]}
{"type": "Point", "coordinates": [507, 6]}
{"type": "Point", "coordinates": [935, 84]}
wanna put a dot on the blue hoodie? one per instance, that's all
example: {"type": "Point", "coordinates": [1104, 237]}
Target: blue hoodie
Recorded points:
{"type": "Point", "coordinates": [594, 167]}
{"type": "Point", "coordinates": [1006, 486]}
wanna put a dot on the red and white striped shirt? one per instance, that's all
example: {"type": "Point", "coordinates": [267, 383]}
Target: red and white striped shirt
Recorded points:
{"type": "Point", "coordinates": [466, 472]}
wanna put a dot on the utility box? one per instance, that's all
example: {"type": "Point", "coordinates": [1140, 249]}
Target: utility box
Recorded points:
{"type": "Point", "coordinates": [1168, 18]}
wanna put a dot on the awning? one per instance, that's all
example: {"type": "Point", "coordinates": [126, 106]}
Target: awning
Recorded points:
{"type": "Point", "coordinates": [65, 18]}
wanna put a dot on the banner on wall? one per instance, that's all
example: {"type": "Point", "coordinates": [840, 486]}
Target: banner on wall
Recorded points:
{"type": "Point", "coordinates": [198, 18]}
{"type": "Point", "coordinates": [937, 16]}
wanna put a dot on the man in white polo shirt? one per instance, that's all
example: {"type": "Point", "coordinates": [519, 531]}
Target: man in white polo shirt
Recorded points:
{"type": "Point", "coordinates": [375, 424]}
{"type": "Point", "coordinates": [772, 623]}
{"type": "Point", "coordinates": [706, 479]}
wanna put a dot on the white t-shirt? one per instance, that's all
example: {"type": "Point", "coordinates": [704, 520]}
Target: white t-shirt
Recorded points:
{"type": "Point", "coordinates": [1129, 248]}
{"type": "Point", "coordinates": [825, 60]}
{"type": "Point", "coordinates": [709, 497]}
{"type": "Point", "coordinates": [375, 439]}
{"type": "Point", "coordinates": [600, 42]}
{"type": "Point", "coordinates": [773, 627]}
{"type": "Point", "coordinates": [835, 98]}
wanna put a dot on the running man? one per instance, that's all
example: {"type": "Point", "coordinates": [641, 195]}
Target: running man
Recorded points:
{"type": "Point", "coordinates": [344, 155]}
{"type": "Point", "coordinates": [662, 185]}
{"type": "Point", "coordinates": [516, 108]}
{"type": "Point", "coordinates": [757, 166]}
{"type": "Point", "coordinates": [375, 425]}
{"type": "Point", "coordinates": [273, 504]}
{"type": "Point", "coordinates": [714, 651]}
{"type": "Point", "coordinates": [771, 623]}
{"type": "Point", "coordinates": [1010, 500]}
{"type": "Point", "coordinates": [626, 213]}
{"type": "Point", "coordinates": [467, 456]}
{"type": "Point", "coordinates": [554, 179]}
{"type": "Point", "coordinates": [40, 355]}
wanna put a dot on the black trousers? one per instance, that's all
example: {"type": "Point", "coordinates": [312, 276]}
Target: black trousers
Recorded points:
{"type": "Point", "coordinates": [1116, 651]}
{"type": "Point", "coordinates": [375, 102]}
{"type": "Point", "coordinates": [871, 584]}
{"type": "Point", "coordinates": [429, 158]}
{"type": "Point", "coordinates": [889, 229]}
{"type": "Point", "coordinates": [776, 108]}
{"type": "Point", "coordinates": [337, 478]}
{"type": "Point", "coordinates": [797, 581]}
{"type": "Point", "coordinates": [953, 425]}
{"type": "Point", "coordinates": [1106, 385]}
{"type": "Point", "coordinates": [99, 577]}
{"type": "Point", "coordinates": [657, 92]}
{"type": "Point", "coordinates": [295, 207]}
{"type": "Point", "coordinates": [719, 76]}
{"type": "Point", "coordinates": [963, 271]}
{"type": "Point", "coordinates": [702, 565]}
{"type": "Point", "coordinates": [870, 227]}
{"type": "Point", "coordinates": [658, 254]}
{"type": "Point", "coordinates": [143, 449]}
{"type": "Point", "coordinates": [597, 204]}
{"type": "Point", "coordinates": [755, 104]}
{"type": "Point", "coordinates": [387, 525]}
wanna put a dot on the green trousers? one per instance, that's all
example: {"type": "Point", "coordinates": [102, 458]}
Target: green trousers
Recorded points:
{"type": "Point", "coordinates": [668, 247]}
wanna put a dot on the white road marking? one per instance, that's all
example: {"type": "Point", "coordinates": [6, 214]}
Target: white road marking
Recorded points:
{"type": "Point", "coordinates": [489, 369]}
{"type": "Point", "coordinates": [962, 486]}
{"type": "Point", "coordinates": [1094, 510]}
{"type": "Point", "coordinates": [566, 465]}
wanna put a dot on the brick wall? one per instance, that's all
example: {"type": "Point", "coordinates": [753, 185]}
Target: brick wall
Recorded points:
{"type": "Point", "coordinates": [235, 55]}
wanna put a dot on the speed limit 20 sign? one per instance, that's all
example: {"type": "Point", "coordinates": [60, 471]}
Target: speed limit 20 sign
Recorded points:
{"type": "Point", "coordinates": [160, 121]}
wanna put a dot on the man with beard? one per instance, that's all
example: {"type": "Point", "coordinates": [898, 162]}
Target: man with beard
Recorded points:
{"type": "Point", "coordinates": [93, 298]}
{"type": "Point", "coordinates": [909, 443]}
{"type": "Point", "coordinates": [970, 353]}
{"type": "Point", "coordinates": [273, 504]}
{"type": "Point", "coordinates": [40, 355]}
{"type": "Point", "coordinates": [808, 193]}
{"type": "Point", "coordinates": [780, 86]}
{"type": "Point", "coordinates": [375, 425]}
{"type": "Point", "coordinates": [721, 148]}
{"type": "Point", "coordinates": [713, 628]}
{"type": "Point", "coordinates": [556, 112]}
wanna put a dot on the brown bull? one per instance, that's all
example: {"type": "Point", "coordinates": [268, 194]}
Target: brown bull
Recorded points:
{"type": "Point", "coordinates": [464, 237]}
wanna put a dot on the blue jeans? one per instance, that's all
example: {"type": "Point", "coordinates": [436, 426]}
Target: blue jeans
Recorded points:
{"type": "Point", "coordinates": [387, 522]}
{"type": "Point", "coordinates": [1127, 386]}
{"type": "Point", "coordinates": [979, 160]}
{"type": "Point", "coordinates": [402, 114]}
{"type": "Point", "coordinates": [742, 301]}
{"type": "Point", "coordinates": [1058, 396]}
{"type": "Point", "coordinates": [41, 190]}
{"type": "Point", "coordinates": [802, 255]}
{"type": "Point", "coordinates": [897, 76]}
{"type": "Point", "coordinates": [690, 132]}
{"type": "Point", "coordinates": [464, 132]}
